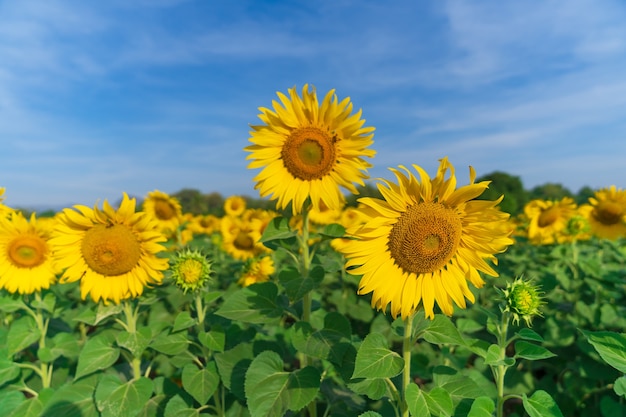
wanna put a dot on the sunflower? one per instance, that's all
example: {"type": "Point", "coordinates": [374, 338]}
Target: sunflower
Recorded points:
{"type": "Point", "coordinates": [425, 240]}
{"type": "Point", "coordinates": [4, 210]}
{"type": "Point", "coordinates": [257, 270]}
{"type": "Point", "coordinates": [234, 205]}
{"type": "Point", "coordinates": [190, 270]}
{"type": "Point", "coordinates": [26, 263]}
{"type": "Point", "coordinates": [111, 252]}
{"type": "Point", "coordinates": [165, 209]}
{"type": "Point", "coordinates": [548, 220]}
{"type": "Point", "coordinates": [241, 238]}
{"type": "Point", "coordinates": [607, 213]}
{"type": "Point", "coordinates": [308, 150]}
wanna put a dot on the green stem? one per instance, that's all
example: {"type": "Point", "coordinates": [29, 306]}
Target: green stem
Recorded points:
{"type": "Point", "coordinates": [407, 344]}
{"type": "Point", "coordinates": [131, 315]}
{"type": "Point", "coordinates": [200, 310]}
{"type": "Point", "coordinates": [500, 370]}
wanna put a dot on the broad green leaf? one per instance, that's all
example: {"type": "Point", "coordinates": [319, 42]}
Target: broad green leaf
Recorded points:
{"type": "Point", "coordinates": [439, 402]}
{"type": "Point", "coordinates": [296, 286]}
{"type": "Point", "coordinates": [373, 388]}
{"type": "Point", "coordinates": [529, 334]}
{"type": "Point", "coordinates": [458, 385]}
{"type": "Point", "coordinates": [135, 342]}
{"type": "Point", "coordinates": [620, 386]}
{"type": "Point", "coordinates": [200, 383]}
{"type": "Point", "coordinates": [183, 321]}
{"type": "Point", "coordinates": [482, 407]}
{"type": "Point", "coordinates": [375, 360]}
{"type": "Point", "coordinates": [541, 404]}
{"type": "Point", "coordinates": [415, 401]}
{"type": "Point", "coordinates": [177, 407]}
{"type": "Point", "coordinates": [65, 344]}
{"type": "Point", "coordinates": [253, 304]}
{"type": "Point", "coordinates": [117, 399]}
{"type": "Point", "coordinates": [333, 231]}
{"type": "Point", "coordinates": [22, 333]}
{"type": "Point", "coordinates": [10, 400]}
{"type": "Point", "coordinates": [611, 346]}
{"type": "Point", "coordinates": [531, 351]}
{"type": "Point", "coordinates": [9, 370]}
{"type": "Point", "coordinates": [370, 414]}
{"type": "Point", "coordinates": [46, 303]}
{"type": "Point", "coordinates": [170, 344]}
{"type": "Point", "coordinates": [73, 400]}
{"type": "Point", "coordinates": [277, 232]}
{"type": "Point", "coordinates": [215, 339]}
{"type": "Point", "coordinates": [322, 343]}
{"type": "Point", "coordinates": [497, 356]}
{"type": "Point", "coordinates": [98, 353]}
{"type": "Point", "coordinates": [11, 303]}
{"type": "Point", "coordinates": [442, 331]}
{"type": "Point", "coordinates": [32, 407]}
{"type": "Point", "coordinates": [271, 391]}
{"type": "Point", "coordinates": [233, 365]}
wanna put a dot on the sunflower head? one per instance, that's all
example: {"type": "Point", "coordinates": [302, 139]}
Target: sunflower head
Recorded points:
{"type": "Point", "coordinates": [425, 241]}
{"type": "Point", "coordinates": [234, 205]}
{"type": "Point", "coordinates": [308, 150]}
{"type": "Point", "coordinates": [257, 270]}
{"type": "Point", "coordinates": [191, 270]}
{"type": "Point", "coordinates": [523, 300]}
{"type": "Point", "coordinates": [166, 210]}
{"type": "Point", "coordinates": [548, 220]}
{"type": "Point", "coordinates": [607, 216]}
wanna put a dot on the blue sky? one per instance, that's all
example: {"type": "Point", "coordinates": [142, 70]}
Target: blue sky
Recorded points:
{"type": "Point", "coordinates": [98, 98]}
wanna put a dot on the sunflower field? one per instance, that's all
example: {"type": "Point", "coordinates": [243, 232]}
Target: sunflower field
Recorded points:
{"type": "Point", "coordinates": [422, 301]}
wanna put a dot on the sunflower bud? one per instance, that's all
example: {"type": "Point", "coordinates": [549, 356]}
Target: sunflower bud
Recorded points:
{"type": "Point", "coordinates": [190, 270]}
{"type": "Point", "coordinates": [523, 300]}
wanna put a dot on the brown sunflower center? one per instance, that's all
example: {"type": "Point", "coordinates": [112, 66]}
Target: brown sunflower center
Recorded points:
{"type": "Point", "coordinates": [548, 216]}
{"type": "Point", "coordinates": [111, 250]}
{"type": "Point", "coordinates": [425, 237]}
{"type": "Point", "coordinates": [309, 153]}
{"type": "Point", "coordinates": [27, 251]}
{"type": "Point", "coordinates": [164, 210]}
{"type": "Point", "coordinates": [608, 213]}
{"type": "Point", "coordinates": [243, 241]}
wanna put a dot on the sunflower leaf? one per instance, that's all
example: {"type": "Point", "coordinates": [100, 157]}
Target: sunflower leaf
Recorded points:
{"type": "Point", "coordinates": [541, 404]}
{"type": "Point", "coordinates": [115, 398]}
{"type": "Point", "coordinates": [254, 304]}
{"type": "Point", "coordinates": [22, 334]}
{"type": "Point", "coordinates": [200, 383]}
{"type": "Point", "coordinates": [98, 353]}
{"type": "Point", "coordinates": [375, 360]}
{"type": "Point", "coordinates": [277, 230]}
{"type": "Point", "coordinates": [482, 407]}
{"type": "Point", "coordinates": [611, 346]}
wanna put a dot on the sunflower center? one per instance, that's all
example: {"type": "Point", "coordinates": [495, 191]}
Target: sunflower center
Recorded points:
{"type": "Point", "coordinates": [548, 216]}
{"type": "Point", "coordinates": [27, 251]}
{"type": "Point", "coordinates": [111, 250]}
{"type": "Point", "coordinates": [191, 270]}
{"type": "Point", "coordinates": [425, 237]}
{"type": "Point", "coordinates": [164, 210]}
{"type": "Point", "coordinates": [309, 153]}
{"type": "Point", "coordinates": [608, 213]}
{"type": "Point", "coordinates": [243, 241]}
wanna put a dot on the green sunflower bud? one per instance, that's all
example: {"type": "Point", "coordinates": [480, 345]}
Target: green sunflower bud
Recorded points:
{"type": "Point", "coordinates": [190, 270]}
{"type": "Point", "coordinates": [523, 300]}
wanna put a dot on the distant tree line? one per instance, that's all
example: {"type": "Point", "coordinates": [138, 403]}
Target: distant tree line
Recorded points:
{"type": "Point", "coordinates": [515, 195]}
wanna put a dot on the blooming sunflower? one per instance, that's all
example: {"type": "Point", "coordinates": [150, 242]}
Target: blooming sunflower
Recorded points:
{"type": "Point", "coordinates": [309, 150]}
{"type": "Point", "coordinates": [607, 213]}
{"type": "Point", "coordinates": [26, 263]}
{"type": "Point", "coordinates": [113, 253]}
{"type": "Point", "coordinates": [165, 209]}
{"type": "Point", "coordinates": [257, 270]}
{"type": "Point", "coordinates": [234, 205]}
{"type": "Point", "coordinates": [241, 238]}
{"type": "Point", "coordinates": [548, 220]}
{"type": "Point", "coordinates": [425, 240]}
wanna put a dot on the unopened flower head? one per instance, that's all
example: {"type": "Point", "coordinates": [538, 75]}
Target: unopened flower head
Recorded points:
{"type": "Point", "coordinates": [191, 270]}
{"type": "Point", "coordinates": [523, 300]}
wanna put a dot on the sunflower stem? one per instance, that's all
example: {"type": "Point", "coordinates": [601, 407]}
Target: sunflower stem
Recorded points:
{"type": "Point", "coordinates": [200, 310]}
{"type": "Point", "coordinates": [407, 344]}
{"type": "Point", "coordinates": [131, 315]}
{"type": "Point", "coordinates": [499, 371]}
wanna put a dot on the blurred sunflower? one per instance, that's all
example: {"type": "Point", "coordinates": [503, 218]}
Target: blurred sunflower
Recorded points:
{"type": "Point", "coordinates": [257, 270]}
{"type": "Point", "coordinates": [607, 213]}
{"type": "Point", "coordinates": [425, 240]}
{"type": "Point", "coordinates": [308, 150]}
{"type": "Point", "coordinates": [4, 210]}
{"type": "Point", "coordinates": [26, 263]}
{"type": "Point", "coordinates": [234, 206]}
{"type": "Point", "coordinates": [240, 238]}
{"type": "Point", "coordinates": [165, 209]}
{"type": "Point", "coordinates": [548, 220]}
{"type": "Point", "coordinates": [113, 253]}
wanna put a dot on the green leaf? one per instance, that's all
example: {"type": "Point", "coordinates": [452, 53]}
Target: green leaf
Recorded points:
{"type": "Point", "coordinates": [177, 407]}
{"type": "Point", "coordinates": [253, 304]}
{"type": "Point", "coordinates": [296, 286]}
{"type": "Point", "coordinates": [277, 230]}
{"type": "Point", "coordinates": [200, 383]}
{"type": "Point", "coordinates": [442, 331]}
{"type": "Point", "coordinates": [458, 385]}
{"type": "Point", "coordinates": [271, 391]}
{"type": "Point", "coordinates": [117, 399]}
{"type": "Point", "coordinates": [233, 365]}
{"type": "Point", "coordinates": [136, 342]}
{"type": "Point", "coordinates": [98, 353]}
{"type": "Point", "coordinates": [11, 303]}
{"type": "Point", "coordinates": [541, 404]}
{"type": "Point", "coordinates": [170, 344]}
{"type": "Point", "coordinates": [322, 344]}
{"type": "Point", "coordinates": [482, 407]}
{"type": "Point", "coordinates": [183, 321]}
{"type": "Point", "coordinates": [65, 344]}
{"type": "Point", "coordinates": [497, 356]}
{"type": "Point", "coordinates": [529, 334]}
{"type": "Point", "coordinates": [416, 401]}
{"type": "Point", "coordinates": [611, 346]}
{"type": "Point", "coordinates": [10, 400]}
{"type": "Point", "coordinates": [9, 370]}
{"type": "Point", "coordinates": [439, 402]}
{"type": "Point", "coordinates": [73, 400]}
{"type": "Point", "coordinates": [46, 303]}
{"type": "Point", "coordinates": [370, 414]}
{"type": "Point", "coordinates": [22, 333]}
{"type": "Point", "coordinates": [375, 360]}
{"type": "Point", "coordinates": [531, 351]}
{"type": "Point", "coordinates": [374, 388]}
{"type": "Point", "coordinates": [333, 231]}
{"type": "Point", "coordinates": [215, 339]}
{"type": "Point", "coordinates": [620, 386]}
{"type": "Point", "coordinates": [32, 407]}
